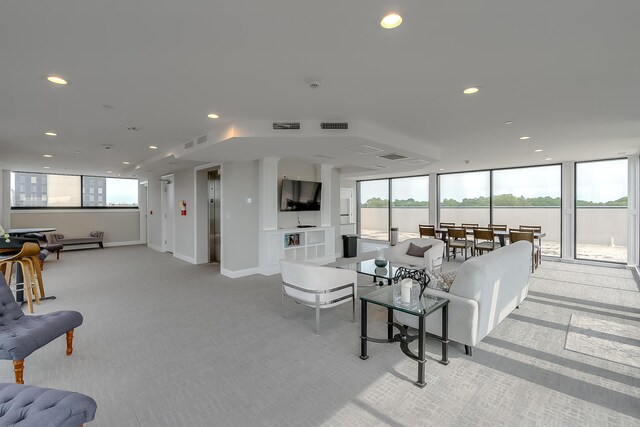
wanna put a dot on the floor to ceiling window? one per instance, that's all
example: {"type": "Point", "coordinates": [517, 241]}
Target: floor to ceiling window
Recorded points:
{"type": "Point", "coordinates": [530, 196]}
{"type": "Point", "coordinates": [464, 197]}
{"type": "Point", "coordinates": [373, 208]}
{"type": "Point", "coordinates": [409, 205]}
{"type": "Point", "coordinates": [601, 210]}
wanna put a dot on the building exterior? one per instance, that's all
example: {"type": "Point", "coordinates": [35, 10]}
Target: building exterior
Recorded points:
{"type": "Point", "coordinates": [94, 191]}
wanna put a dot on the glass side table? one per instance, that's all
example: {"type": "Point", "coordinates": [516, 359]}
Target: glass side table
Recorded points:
{"type": "Point", "coordinates": [389, 297]}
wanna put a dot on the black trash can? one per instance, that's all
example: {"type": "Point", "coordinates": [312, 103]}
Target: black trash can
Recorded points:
{"type": "Point", "coordinates": [350, 245]}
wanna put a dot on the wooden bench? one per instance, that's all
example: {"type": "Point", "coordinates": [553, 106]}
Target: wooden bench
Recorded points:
{"type": "Point", "coordinates": [94, 237]}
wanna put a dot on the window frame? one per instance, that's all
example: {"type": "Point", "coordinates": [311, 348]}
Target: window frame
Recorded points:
{"type": "Point", "coordinates": [81, 207]}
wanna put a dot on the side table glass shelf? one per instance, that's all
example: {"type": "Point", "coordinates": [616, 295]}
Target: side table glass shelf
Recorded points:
{"type": "Point", "coordinates": [422, 307]}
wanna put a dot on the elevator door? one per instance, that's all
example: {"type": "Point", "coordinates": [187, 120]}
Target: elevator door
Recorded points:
{"type": "Point", "coordinates": [214, 216]}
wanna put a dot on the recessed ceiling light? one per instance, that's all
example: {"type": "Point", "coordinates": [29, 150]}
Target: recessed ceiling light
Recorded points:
{"type": "Point", "coordinates": [213, 116]}
{"type": "Point", "coordinates": [137, 167]}
{"type": "Point", "coordinates": [539, 150]}
{"type": "Point", "coordinates": [471, 90]}
{"type": "Point", "coordinates": [51, 134]}
{"type": "Point", "coordinates": [109, 172]}
{"type": "Point", "coordinates": [390, 21]}
{"type": "Point", "coordinates": [46, 167]}
{"type": "Point", "coordinates": [508, 122]}
{"type": "Point", "coordinates": [524, 137]}
{"type": "Point", "coordinates": [441, 169]}
{"type": "Point", "coordinates": [126, 163]}
{"type": "Point", "coordinates": [77, 152]}
{"type": "Point", "coordinates": [108, 107]}
{"type": "Point", "coordinates": [153, 147]}
{"type": "Point", "coordinates": [47, 155]}
{"type": "Point", "coordinates": [548, 158]}
{"type": "Point", "coordinates": [57, 80]}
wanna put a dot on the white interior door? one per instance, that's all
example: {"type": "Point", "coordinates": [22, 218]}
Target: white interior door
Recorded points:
{"type": "Point", "coordinates": [168, 215]}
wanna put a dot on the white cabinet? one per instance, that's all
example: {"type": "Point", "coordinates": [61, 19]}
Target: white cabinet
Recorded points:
{"type": "Point", "coordinates": [314, 244]}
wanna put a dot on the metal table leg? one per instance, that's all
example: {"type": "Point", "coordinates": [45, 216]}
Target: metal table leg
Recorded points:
{"type": "Point", "coordinates": [389, 324]}
{"type": "Point", "coordinates": [421, 353]}
{"type": "Point", "coordinates": [363, 331]}
{"type": "Point", "coordinates": [445, 335]}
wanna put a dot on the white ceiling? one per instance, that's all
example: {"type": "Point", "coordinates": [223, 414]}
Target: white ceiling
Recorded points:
{"type": "Point", "coordinates": [566, 74]}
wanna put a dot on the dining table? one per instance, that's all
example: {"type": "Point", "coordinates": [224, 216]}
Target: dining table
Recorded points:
{"type": "Point", "coordinates": [500, 234]}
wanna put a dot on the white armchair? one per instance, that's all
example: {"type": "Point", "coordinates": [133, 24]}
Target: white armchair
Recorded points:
{"type": "Point", "coordinates": [317, 286]}
{"type": "Point", "coordinates": [432, 259]}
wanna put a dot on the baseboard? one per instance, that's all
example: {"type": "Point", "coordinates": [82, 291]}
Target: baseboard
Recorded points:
{"type": "Point", "coordinates": [126, 243]}
{"type": "Point", "coordinates": [234, 274]}
{"type": "Point", "coordinates": [154, 247]}
{"type": "Point", "coordinates": [189, 259]}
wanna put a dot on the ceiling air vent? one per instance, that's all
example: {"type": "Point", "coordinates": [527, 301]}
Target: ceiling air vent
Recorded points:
{"type": "Point", "coordinates": [393, 156]}
{"type": "Point", "coordinates": [334, 126]}
{"type": "Point", "coordinates": [188, 145]}
{"type": "Point", "coordinates": [202, 139]}
{"type": "Point", "coordinates": [286, 125]}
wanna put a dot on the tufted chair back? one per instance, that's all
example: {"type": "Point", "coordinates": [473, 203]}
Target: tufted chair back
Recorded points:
{"type": "Point", "coordinates": [9, 308]}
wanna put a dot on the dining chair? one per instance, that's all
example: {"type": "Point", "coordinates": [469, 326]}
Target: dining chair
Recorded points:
{"type": "Point", "coordinates": [484, 240]}
{"type": "Point", "coordinates": [27, 260]}
{"type": "Point", "coordinates": [427, 230]}
{"type": "Point", "coordinates": [469, 225]}
{"type": "Point", "coordinates": [497, 227]}
{"type": "Point", "coordinates": [527, 236]}
{"type": "Point", "coordinates": [535, 229]}
{"type": "Point", "coordinates": [447, 224]}
{"type": "Point", "coordinates": [458, 240]}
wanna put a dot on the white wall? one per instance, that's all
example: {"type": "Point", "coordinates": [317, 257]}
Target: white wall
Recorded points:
{"type": "Point", "coordinates": [120, 226]}
{"type": "Point", "coordinates": [298, 170]}
{"type": "Point", "coordinates": [154, 218]}
{"type": "Point", "coordinates": [5, 198]}
{"type": "Point", "coordinates": [184, 225]}
{"type": "Point", "coordinates": [240, 218]}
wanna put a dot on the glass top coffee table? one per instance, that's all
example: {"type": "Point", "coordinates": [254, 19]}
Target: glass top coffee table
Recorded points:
{"type": "Point", "coordinates": [389, 297]}
{"type": "Point", "coordinates": [369, 268]}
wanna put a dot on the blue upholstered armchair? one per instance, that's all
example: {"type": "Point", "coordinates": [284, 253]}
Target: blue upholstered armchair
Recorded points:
{"type": "Point", "coordinates": [21, 335]}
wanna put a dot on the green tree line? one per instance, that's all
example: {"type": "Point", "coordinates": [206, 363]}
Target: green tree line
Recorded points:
{"type": "Point", "coordinates": [498, 200]}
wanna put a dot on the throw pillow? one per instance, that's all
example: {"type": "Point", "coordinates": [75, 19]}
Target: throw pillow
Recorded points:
{"type": "Point", "coordinates": [415, 250]}
{"type": "Point", "coordinates": [441, 281]}
{"type": "Point", "coordinates": [94, 234]}
{"type": "Point", "coordinates": [59, 236]}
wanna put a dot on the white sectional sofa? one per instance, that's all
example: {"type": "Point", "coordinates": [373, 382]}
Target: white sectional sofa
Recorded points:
{"type": "Point", "coordinates": [486, 289]}
{"type": "Point", "coordinates": [432, 258]}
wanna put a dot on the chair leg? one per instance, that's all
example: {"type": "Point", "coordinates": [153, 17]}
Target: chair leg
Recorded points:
{"type": "Point", "coordinates": [69, 342]}
{"type": "Point", "coordinates": [18, 370]}
{"type": "Point", "coordinates": [468, 351]}
{"type": "Point", "coordinates": [34, 279]}
{"type": "Point", "coordinates": [26, 287]}
{"type": "Point", "coordinates": [283, 302]}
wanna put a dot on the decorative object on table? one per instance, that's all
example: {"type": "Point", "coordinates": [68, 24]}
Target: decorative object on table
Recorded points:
{"type": "Point", "coordinates": [405, 290]}
{"type": "Point", "coordinates": [380, 261]}
{"type": "Point", "coordinates": [419, 276]}
{"type": "Point", "coordinates": [4, 235]}
{"type": "Point", "coordinates": [381, 271]}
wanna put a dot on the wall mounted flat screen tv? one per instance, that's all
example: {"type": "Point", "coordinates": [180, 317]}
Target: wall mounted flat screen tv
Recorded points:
{"type": "Point", "coordinates": [300, 195]}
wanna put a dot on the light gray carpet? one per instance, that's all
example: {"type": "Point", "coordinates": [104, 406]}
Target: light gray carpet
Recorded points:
{"type": "Point", "coordinates": [605, 339]}
{"type": "Point", "coordinates": [166, 343]}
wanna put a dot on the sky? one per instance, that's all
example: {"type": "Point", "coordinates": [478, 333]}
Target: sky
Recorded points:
{"type": "Point", "coordinates": [595, 181]}
{"type": "Point", "coordinates": [122, 191]}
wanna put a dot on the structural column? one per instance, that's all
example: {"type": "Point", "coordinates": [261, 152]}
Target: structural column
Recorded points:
{"type": "Point", "coordinates": [632, 211]}
{"type": "Point", "coordinates": [268, 175]}
{"type": "Point", "coordinates": [327, 190]}
{"type": "Point", "coordinates": [568, 210]}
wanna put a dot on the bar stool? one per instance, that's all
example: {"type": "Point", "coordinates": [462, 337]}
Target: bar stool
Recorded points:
{"type": "Point", "coordinates": [27, 258]}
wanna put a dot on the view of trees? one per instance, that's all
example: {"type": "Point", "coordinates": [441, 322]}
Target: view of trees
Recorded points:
{"type": "Point", "coordinates": [498, 200]}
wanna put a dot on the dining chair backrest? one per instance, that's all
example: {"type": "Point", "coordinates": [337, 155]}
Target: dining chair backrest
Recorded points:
{"type": "Point", "coordinates": [516, 236]}
{"type": "Point", "coordinates": [447, 224]}
{"type": "Point", "coordinates": [427, 230]}
{"type": "Point", "coordinates": [483, 234]}
{"type": "Point", "coordinates": [497, 227]}
{"type": "Point", "coordinates": [469, 225]}
{"type": "Point", "coordinates": [457, 233]}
